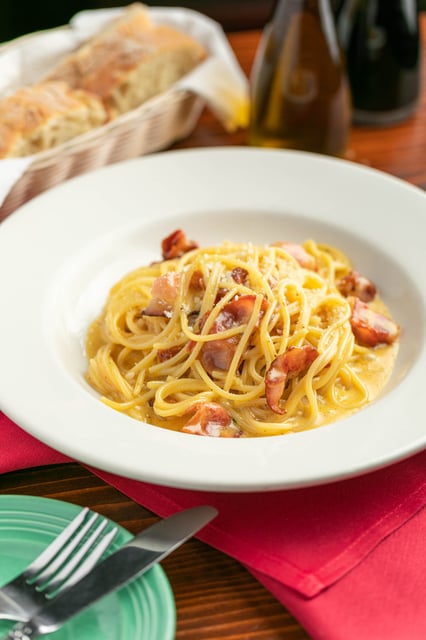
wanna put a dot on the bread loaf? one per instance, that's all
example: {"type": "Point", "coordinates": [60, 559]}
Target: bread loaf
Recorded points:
{"type": "Point", "coordinates": [130, 61]}
{"type": "Point", "coordinates": [125, 64]}
{"type": "Point", "coordinates": [45, 115]}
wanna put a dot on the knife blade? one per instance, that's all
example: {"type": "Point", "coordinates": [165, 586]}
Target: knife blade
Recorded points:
{"type": "Point", "coordinates": [127, 563]}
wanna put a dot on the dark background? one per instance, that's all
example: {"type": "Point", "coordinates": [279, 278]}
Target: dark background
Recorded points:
{"type": "Point", "coordinates": [23, 16]}
{"type": "Point", "coordinates": [18, 17]}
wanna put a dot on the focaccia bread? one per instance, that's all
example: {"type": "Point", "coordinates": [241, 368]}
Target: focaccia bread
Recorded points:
{"type": "Point", "coordinates": [126, 63]}
{"type": "Point", "coordinates": [130, 61]}
{"type": "Point", "coordinates": [42, 116]}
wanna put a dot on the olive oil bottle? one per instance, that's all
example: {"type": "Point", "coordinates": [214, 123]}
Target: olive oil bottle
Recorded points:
{"type": "Point", "coordinates": [300, 96]}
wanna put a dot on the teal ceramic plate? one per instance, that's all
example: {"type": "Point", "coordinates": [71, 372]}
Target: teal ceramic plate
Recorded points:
{"type": "Point", "coordinates": [144, 610]}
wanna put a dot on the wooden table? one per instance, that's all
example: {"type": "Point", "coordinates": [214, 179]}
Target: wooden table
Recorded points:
{"type": "Point", "coordinates": [399, 150]}
{"type": "Point", "coordinates": [216, 598]}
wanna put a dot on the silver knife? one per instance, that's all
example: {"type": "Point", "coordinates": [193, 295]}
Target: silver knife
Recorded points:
{"type": "Point", "coordinates": [117, 570]}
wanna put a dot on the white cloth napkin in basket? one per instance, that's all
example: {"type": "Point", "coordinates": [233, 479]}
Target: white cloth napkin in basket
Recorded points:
{"type": "Point", "coordinates": [218, 81]}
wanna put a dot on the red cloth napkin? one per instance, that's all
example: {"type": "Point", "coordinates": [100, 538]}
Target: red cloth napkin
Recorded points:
{"type": "Point", "coordinates": [347, 558]}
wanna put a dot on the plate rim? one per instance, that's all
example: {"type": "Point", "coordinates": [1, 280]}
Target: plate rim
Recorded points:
{"type": "Point", "coordinates": [233, 482]}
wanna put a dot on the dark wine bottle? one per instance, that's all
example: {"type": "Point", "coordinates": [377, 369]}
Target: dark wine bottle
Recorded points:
{"type": "Point", "coordinates": [381, 42]}
{"type": "Point", "coordinates": [300, 96]}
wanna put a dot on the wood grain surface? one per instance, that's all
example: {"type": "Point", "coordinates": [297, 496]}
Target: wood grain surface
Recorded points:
{"type": "Point", "coordinates": [216, 598]}
{"type": "Point", "coordinates": [399, 150]}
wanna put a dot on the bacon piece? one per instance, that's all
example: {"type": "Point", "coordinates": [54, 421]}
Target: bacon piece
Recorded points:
{"type": "Point", "coordinates": [298, 253]}
{"type": "Point", "coordinates": [354, 284]}
{"type": "Point", "coordinates": [164, 291]}
{"type": "Point", "coordinates": [197, 281]}
{"type": "Point", "coordinates": [239, 275]}
{"type": "Point", "coordinates": [237, 312]}
{"type": "Point", "coordinates": [211, 419]}
{"type": "Point", "coordinates": [176, 244]}
{"type": "Point", "coordinates": [221, 292]}
{"type": "Point", "coordinates": [292, 362]}
{"type": "Point", "coordinates": [370, 327]}
{"type": "Point", "coordinates": [165, 354]}
{"type": "Point", "coordinates": [218, 354]}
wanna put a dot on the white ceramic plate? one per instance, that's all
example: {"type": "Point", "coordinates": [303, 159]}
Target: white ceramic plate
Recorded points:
{"type": "Point", "coordinates": [60, 253]}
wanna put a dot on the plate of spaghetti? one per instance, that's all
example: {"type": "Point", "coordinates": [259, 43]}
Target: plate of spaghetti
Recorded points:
{"type": "Point", "coordinates": [256, 324]}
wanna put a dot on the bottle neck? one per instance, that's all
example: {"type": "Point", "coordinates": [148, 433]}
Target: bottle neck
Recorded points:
{"type": "Point", "coordinates": [321, 9]}
{"type": "Point", "coordinates": [286, 7]}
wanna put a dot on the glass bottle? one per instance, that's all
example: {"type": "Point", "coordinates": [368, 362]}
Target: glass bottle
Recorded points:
{"type": "Point", "coordinates": [300, 97]}
{"type": "Point", "coordinates": [381, 42]}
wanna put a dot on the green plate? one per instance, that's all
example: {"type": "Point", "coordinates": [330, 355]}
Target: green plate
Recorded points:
{"type": "Point", "coordinates": [143, 610]}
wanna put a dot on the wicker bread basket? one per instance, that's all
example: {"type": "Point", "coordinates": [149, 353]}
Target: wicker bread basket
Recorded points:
{"type": "Point", "coordinates": [152, 127]}
{"type": "Point", "coordinates": [155, 125]}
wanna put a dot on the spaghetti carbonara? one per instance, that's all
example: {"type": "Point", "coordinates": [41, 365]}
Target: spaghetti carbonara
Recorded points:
{"type": "Point", "coordinates": [242, 339]}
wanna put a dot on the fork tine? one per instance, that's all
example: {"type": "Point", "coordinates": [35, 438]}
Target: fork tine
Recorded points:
{"type": "Point", "coordinates": [83, 561]}
{"type": "Point", "coordinates": [56, 545]}
{"type": "Point", "coordinates": [56, 561]}
{"type": "Point", "coordinates": [70, 556]}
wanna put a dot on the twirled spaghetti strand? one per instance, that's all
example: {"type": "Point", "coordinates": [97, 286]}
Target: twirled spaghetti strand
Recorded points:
{"type": "Point", "coordinates": [220, 325]}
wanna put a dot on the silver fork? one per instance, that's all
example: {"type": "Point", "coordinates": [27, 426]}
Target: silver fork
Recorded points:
{"type": "Point", "coordinates": [67, 559]}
